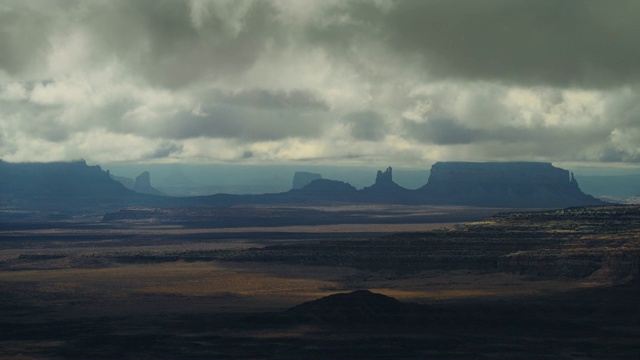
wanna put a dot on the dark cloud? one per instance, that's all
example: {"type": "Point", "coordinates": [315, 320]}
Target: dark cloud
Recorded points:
{"type": "Point", "coordinates": [442, 132]}
{"type": "Point", "coordinates": [491, 79]}
{"type": "Point", "coordinates": [623, 107]}
{"type": "Point", "coordinates": [567, 142]}
{"type": "Point", "coordinates": [613, 155]}
{"type": "Point", "coordinates": [155, 38]}
{"type": "Point", "coordinates": [274, 99]}
{"type": "Point", "coordinates": [164, 150]}
{"type": "Point", "coordinates": [24, 35]}
{"type": "Point", "coordinates": [217, 122]}
{"type": "Point", "coordinates": [45, 124]}
{"type": "Point", "coordinates": [366, 125]}
{"type": "Point", "coordinates": [583, 43]}
{"type": "Point", "coordinates": [159, 38]}
{"type": "Point", "coordinates": [223, 121]}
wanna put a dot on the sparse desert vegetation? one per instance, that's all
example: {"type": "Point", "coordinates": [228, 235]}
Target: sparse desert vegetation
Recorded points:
{"type": "Point", "coordinates": [504, 287]}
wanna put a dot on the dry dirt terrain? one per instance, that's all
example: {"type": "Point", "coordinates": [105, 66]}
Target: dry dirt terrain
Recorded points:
{"type": "Point", "coordinates": [552, 284]}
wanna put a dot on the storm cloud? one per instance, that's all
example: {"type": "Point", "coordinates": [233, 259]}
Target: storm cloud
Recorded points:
{"type": "Point", "coordinates": [572, 43]}
{"type": "Point", "coordinates": [403, 82]}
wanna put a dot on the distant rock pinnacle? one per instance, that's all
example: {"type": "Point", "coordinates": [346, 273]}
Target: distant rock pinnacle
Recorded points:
{"type": "Point", "coordinates": [384, 189]}
{"type": "Point", "coordinates": [143, 184]}
{"type": "Point", "coordinates": [384, 178]}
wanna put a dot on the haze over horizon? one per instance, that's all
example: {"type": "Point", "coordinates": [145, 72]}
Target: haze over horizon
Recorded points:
{"type": "Point", "coordinates": [285, 82]}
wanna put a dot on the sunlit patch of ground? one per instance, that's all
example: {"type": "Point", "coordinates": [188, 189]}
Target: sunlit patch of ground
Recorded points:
{"type": "Point", "coordinates": [253, 286]}
{"type": "Point", "coordinates": [464, 285]}
{"type": "Point", "coordinates": [231, 287]}
{"type": "Point", "coordinates": [98, 248]}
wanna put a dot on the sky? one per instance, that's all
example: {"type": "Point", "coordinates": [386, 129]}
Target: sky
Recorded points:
{"type": "Point", "coordinates": [402, 83]}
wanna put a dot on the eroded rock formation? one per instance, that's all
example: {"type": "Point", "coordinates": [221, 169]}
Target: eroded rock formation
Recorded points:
{"type": "Point", "coordinates": [512, 184]}
{"type": "Point", "coordinates": [143, 184]}
{"type": "Point", "coordinates": [517, 184]}
{"type": "Point", "coordinates": [385, 190]}
{"type": "Point", "coordinates": [57, 180]}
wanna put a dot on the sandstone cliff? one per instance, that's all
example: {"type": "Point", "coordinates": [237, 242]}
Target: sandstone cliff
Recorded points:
{"type": "Point", "coordinates": [384, 183]}
{"type": "Point", "coordinates": [143, 184]}
{"type": "Point", "coordinates": [385, 190]}
{"type": "Point", "coordinates": [513, 184]}
{"type": "Point", "coordinates": [520, 184]}
{"type": "Point", "coordinates": [57, 180]}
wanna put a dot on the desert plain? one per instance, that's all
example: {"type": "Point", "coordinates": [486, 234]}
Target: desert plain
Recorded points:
{"type": "Point", "coordinates": [442, 282]}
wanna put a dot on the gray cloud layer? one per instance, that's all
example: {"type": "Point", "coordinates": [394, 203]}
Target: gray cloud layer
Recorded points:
{"type": "Point", "coordinates": [559, 43]}
{"type": "Point", "coordinates": [407, 81]}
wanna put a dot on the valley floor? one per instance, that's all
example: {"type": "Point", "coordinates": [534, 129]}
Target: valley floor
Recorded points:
{"type": "Point", "coordinates": [555, 284]}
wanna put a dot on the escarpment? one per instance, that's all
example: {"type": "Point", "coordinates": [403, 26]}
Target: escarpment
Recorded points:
{"type": "Point", "coordinates": [508, 184]}
{"type": "Point", "coordinates": [514, 184]}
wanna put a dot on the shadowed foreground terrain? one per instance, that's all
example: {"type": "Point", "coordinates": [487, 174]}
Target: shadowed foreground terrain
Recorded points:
{"type": "Point", "coordinates": [560, 284]}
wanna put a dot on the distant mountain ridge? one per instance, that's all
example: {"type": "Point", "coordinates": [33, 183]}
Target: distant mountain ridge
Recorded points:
{"type": "Point", "coordinates": [58, 179]}
{"type": "Point", "coordinates": [508, 184]}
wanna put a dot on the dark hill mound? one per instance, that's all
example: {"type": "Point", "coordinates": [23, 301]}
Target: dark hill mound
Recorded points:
{"type": "Point", "coordinates": [322, 191]}
{"type": "Point", "coordinates": [360, 311]}
{"type": "Point", "coordinates": [326, 186]}
{"type": "Point", "coordinates": [358, 308]}
{"type": "Point", "coordinates": [303, 178]}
